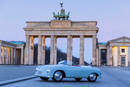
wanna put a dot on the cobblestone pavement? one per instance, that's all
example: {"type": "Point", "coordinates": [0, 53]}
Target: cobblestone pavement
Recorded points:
{"type": "Point", "coordinates": [9, 72]}
{"type": "Point", "coordinates": [111, 77]}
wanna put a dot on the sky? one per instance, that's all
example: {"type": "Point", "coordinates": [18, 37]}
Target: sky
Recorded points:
{"type": "Point", "coordinates": [113, 16]}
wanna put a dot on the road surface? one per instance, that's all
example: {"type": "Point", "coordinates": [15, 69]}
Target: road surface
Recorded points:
{"type": "Point", "coordinates": [111, 77]}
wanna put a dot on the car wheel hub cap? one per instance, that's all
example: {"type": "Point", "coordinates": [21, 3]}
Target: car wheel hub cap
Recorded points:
{"type": "Point", "coordinates": [92, 76]}
{"type": "Point", "coordinates": [58, 75]}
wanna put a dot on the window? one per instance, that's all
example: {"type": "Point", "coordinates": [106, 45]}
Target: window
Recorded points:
{"type": "Point", "coordinates": [123, 50]}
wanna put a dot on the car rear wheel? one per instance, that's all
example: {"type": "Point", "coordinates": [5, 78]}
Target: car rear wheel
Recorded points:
{"type": "Point", "coordinates": [78, 79]}
{"type": "Point", "coordinates": [92, 77]}
{"type": "Point", "coordinates": [44, 78]}
{"type": "Point", "coordinates": [58, 76]}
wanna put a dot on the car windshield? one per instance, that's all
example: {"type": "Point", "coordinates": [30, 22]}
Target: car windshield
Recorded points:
{"type": "Point", "coordinates": [64, 62]}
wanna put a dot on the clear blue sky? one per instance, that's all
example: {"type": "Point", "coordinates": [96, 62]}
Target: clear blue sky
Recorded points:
{"type": "Point", "coordinates": [113, 16]}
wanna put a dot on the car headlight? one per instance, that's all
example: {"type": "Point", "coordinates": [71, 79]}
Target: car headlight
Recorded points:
{"type": "Point", "coordinates": [37, 68]}
{"type": "Point", "coordinates": [48, 70]}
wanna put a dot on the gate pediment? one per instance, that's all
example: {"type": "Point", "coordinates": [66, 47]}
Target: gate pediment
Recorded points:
{"type": "Point", "coordinates": [121, 39]}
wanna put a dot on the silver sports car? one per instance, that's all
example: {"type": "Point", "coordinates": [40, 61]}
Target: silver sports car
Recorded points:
{"type": "Point", "coordinates": [63, 70]}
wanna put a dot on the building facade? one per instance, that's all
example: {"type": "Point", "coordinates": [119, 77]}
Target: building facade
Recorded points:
{"type": "Point", "coordinates": [115, 52]}
{"type": "Point", "coordinates": [57, 29]}
{"type": "Point", "coordinates": [11, 52]}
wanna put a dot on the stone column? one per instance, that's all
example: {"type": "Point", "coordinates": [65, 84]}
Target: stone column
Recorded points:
{"type": "Point", "coordinates": [31, 50]}
{"type": "Point", "coordinates": [81, 50]}
{"type": "Point", "coordinates": [111, 59]}
{"type": "Point", "coordinates": [40, 49]}
{"type": "Point", "coordinates": [55, 50]}
{"type": "Point", "coordinates": [69, 50]}
{"type": "Point", "coordinates": [7, 58]}
{"type": "Point", "coordinates": [3, 62]}
{"type": "Point", "coordinates": [0, 55]}
{"type": "Point", "coordinates": [108, 56]}
{"type": "Point", "coordinates": [43, 50]}
{"type": "Point", "coordinates": [22, 53]}
{"type": "Point", "coordinates": [52, 50]}
{"type": "Point", "coordinates": [14, 57]}
{"type": "Point", "coordinates": [9, 62]}
{"type": "Point", "coordinates": [94, 60]}
{"type": "Point", "coordinates": [128, 56]}
{"type": "Point", "coordinates": [98, 58]}
{"type": "Point", "coordinates": [27, 49]}
{"type": "Point", "coordinates": [119, 58]}
{"type": "Point", "coordinates": [11, 55]}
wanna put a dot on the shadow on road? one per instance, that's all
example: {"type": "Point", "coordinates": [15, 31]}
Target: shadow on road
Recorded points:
{"type": "Point", "coordinates": [68, 81]}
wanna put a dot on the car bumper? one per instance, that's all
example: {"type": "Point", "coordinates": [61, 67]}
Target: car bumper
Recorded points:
{"type": "Point", "coordinates": [42, 74]}
{"type": "Point", "coordinates": [100, 76]}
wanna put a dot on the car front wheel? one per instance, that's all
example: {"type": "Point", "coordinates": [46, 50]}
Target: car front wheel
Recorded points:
{"type": "Point", "coordinates": [44, 78]}
{"type": "Point", "coordinates": [92, 77]}
{"type": "Point", "coordinates": [58, 76]}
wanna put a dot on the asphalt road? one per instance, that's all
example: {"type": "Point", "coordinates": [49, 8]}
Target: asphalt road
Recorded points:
{"type": "Point", "coordinates": [111, 77]}
{"type": "Point", "coordinates": [9, 72]}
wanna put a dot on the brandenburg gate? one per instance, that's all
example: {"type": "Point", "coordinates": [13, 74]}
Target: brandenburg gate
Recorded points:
{"type": "Point", "coordinates": [61, 26]}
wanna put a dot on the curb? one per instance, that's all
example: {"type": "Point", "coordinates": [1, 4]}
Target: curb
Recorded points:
{"type": "Point", "coordinates": [17, 80]}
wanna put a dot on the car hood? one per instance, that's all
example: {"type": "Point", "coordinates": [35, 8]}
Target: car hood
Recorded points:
{"type": "Point", "coordinates": [45, 66]}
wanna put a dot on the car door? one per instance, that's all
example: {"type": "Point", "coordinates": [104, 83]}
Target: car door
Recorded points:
{"type": "Point", "coordinates": [74, 71]}
{"type": "Point", "coordinates": [86, 70]}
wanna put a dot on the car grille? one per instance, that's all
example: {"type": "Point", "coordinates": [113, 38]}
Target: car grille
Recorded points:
{"type": "Point", "coordinates": [39, 72]}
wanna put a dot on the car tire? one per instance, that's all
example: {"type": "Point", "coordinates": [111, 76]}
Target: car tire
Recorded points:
{"type": "Point", "coordinates": [44, 78]}
{"type": "Point", "coordinates": [92, 77]}
{"type": "Point", "coordinates": [78, 79]}
{"type": "Point", "coordinates": [58, 76]}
